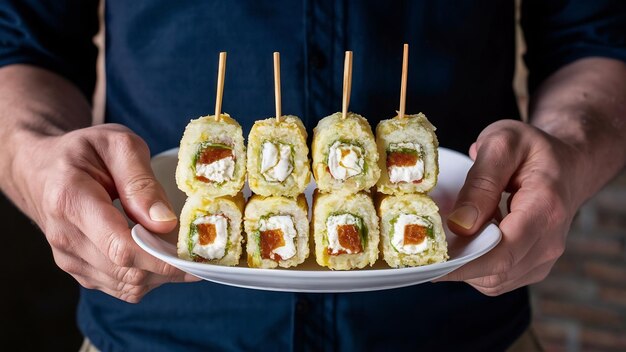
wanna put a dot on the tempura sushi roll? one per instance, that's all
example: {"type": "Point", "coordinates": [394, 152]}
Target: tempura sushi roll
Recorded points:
{"type": "Point", "coordinates": [210, 229]}
{"type": "Point", "coordinates": [277, 230]}
{"type": "Point", "coordinates": [345, 157]}
{"type": "Point", "coordinates": [408, 155]}
{"type": "Point", "coordinates": [345, 229]}
{"type": "Point", "coordinates": [278, 157]}
{"type": "Point", "coordinates": [212, 157]}
{"type": "Point", "coordinates": [411, 231]}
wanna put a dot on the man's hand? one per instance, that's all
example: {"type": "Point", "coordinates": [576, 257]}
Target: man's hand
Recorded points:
{"type": "Point", "coordinates": [575, 144]}
{"type": "Point", "coordinates": [541, 173]}
{"type": "Point", "coordinates": [68, 182]}
{"type": "Point", "coordinates": [64, 175]}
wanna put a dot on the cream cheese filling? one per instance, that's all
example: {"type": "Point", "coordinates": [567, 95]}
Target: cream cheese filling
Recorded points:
{"type": "Point", "coordinates": [398, 230]}
{"type": "Point", "coordinates": [217, 249]}
{"type": "Point", "coordinates": [285, 224]}
{"type": "Point", "coordinates": [332, 224]}
{"type": "Point", "coordinates": [345, 160]}
{"type": "Point", "coordinates": [217, 171]}
{"type": "Point", "coordinates": [276, 161]}
{"type": "Point", "coordinates": [407, 173]}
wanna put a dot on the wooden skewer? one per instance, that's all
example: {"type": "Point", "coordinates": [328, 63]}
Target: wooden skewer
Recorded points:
{"type": "Point", "coordinates": [220, 85]}
{"type": "Point", "coordinates": [347, 83]}
{"type": "Point", "coordinates": [405, 70]}
{"type": "Point", "coordinates": [277, 85]}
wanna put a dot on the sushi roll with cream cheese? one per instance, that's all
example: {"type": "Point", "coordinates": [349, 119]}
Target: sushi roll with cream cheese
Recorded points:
{"type": "Point", "coordinates": [277, 230]}
{"type": "Point", "coordinates": [345, 229]}
{"type": "Point", "coordinates": [408, 155]}
{"type": "Point", "coordinates": [210, 229]}
{"type": "Point", "coordinates": [345, 158]}
{"type": "Point", "coordinates": [212, 157]}
{"type": "Point", "coordinates": [411, 231]}
{"type": "Point", "coordinates": [278, 162]}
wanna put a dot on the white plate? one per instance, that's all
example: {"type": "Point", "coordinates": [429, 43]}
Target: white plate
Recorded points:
{"type": "Point", "coordinates": [309, 277]}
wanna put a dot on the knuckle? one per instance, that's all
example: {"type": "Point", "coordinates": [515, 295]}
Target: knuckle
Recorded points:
{"type": "Point", "coordinates": [85, 282]}
{"type": "Point", "coordinates": [499, 143]}
{"type": "Point", "coordinates": [134, 276]}
{"type": "Point", "coordinates": [60, 201]}
{"type": "Point", "coordinates": [501, 279]}
{"type": "Point", "coordinates": [166, 270]}
{"type": "Point", "coordinates": [74, 143]}
{"type": "Point", "coordinates": [494, 291]}
{"type": "Point", "coordinates": [131, 293]}
{"type": "Point", "coordinates": [493, 281]}
{"type": "Point", "coordinates": [131, 298]}
{"type": "Point", "coordinates": [120, 285]}
{"type": "Point", "coordinates": [116, 127]}
{"type": "Point", "coordinates": [557, 213]}
{"type": "Point", "coordinates": [58, 239]}
{"type": "Point", "coordinates": [119, 251]}
{"type": "Point", "coordinates": [128, 142]}
{"type": "Point", "coordinates": [69, 265]}
{"type": "Point", "coordinates": [554, 252]}
{"type": "Point", "coordinates": [485, 183]}
{"type": "Point", "coordinates": [139, 185]}
{"type": "Point", "coordinates": [491, 286]}
{"type": "Point", "coordinates": [74, 153]}
{"type": "Point", "coordinates": [88, 285]}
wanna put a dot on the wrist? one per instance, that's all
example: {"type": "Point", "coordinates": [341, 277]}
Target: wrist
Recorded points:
{"type": "Point", "coordinates": [19, 162]}
{"type": "Point", "coordinates": [582, 105]}
{"type": "Point", "coordinates": [35, 105]}
{"type": "Point", "coordinates": [598, 146]}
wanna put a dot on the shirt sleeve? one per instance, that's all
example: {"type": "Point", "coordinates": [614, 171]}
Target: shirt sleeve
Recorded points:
{"type": "Point", "coordinates": [53, 34]}
{"type": "Point", "coordinates": [558, 32]}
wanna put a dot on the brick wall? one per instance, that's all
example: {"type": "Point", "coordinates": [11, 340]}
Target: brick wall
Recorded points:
{"type": "Point", "coordinates": [581, 306]}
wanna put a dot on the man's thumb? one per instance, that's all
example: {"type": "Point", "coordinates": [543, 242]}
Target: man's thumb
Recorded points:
{"type": "Point", "coordinates": [141, 195]}
{"type": "Point", "coordinates": [480, 195]}
{"type": "Point", "coordinates": [144, 199]}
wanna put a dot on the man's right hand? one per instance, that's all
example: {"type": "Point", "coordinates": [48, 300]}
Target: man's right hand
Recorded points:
{"type": "Point", "coordinates": [67, 183]}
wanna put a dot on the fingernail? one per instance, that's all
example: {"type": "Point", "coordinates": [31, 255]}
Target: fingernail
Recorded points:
{"type": "Point", "coordinates": [464, 216]}
{"type": "Point", "coordinates": [161, 212]}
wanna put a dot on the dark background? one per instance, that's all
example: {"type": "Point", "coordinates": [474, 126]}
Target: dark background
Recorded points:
{"type": "Point", "coordinates": [38, 299]}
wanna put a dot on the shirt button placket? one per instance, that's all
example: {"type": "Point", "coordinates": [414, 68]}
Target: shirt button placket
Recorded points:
{"type": "Point", "coordinates": [325, 44]}
{"type": "Point", "coordinates": [302, 306]}
{"type": "Point", "coordinates": [321, 38]}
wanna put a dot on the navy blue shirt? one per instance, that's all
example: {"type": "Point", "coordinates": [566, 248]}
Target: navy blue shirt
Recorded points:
{"type": "Point", "coordinates": [161, 59]}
